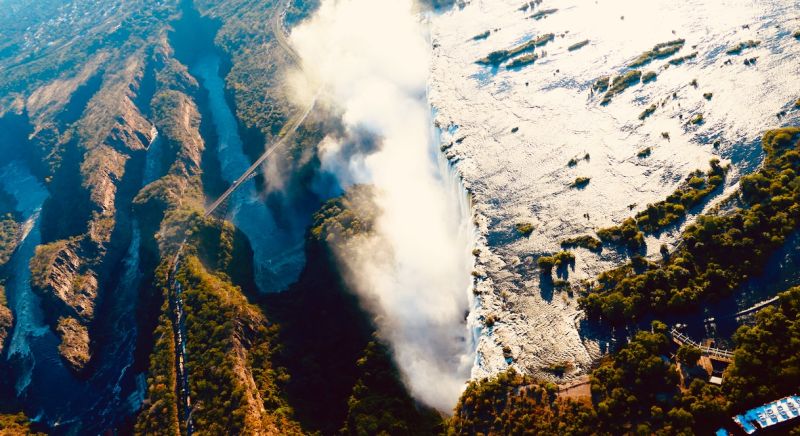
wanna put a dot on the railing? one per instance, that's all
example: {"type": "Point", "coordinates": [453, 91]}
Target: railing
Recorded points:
{"type": "Point", "coordinates": [714, 353]}
{"type": "Point", "coordinates": [755, 308]}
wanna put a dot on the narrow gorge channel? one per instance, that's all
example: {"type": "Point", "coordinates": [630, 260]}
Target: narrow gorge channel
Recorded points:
{"type": "Point", "coordinates": [50, 392]}
{"type": "Point", "coordinates": [277, 252]}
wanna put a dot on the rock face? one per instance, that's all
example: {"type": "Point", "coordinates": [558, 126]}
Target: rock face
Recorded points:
{"type": "Point", "coordinates": [74, 347]}
{"type": "Point", "coordinates": [59, 275]}
{"type": "Point", "coordinates": [6, 320]}
{"type": "Point", "coordinates": [68, 274]}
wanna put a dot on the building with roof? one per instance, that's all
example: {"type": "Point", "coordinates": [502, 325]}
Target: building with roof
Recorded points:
{"type": "Point", "coordinates": [770, 415]}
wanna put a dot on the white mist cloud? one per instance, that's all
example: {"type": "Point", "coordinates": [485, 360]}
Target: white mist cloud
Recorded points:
{"type": "Point", "coordinates": [371, 60]}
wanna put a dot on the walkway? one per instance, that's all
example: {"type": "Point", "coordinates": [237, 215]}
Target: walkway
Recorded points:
{"type": "Point", "coordinates": [712, 353]}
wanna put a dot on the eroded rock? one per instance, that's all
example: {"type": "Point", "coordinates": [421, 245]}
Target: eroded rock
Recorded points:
{"type": "Point", "coordinates": [58, 274]}
{"type": "Point", "coordinates": [74, 347]}
{"type": "Point", "coordinates": [6, 320]}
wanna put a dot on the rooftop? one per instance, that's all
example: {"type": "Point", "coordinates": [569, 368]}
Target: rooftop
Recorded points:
{"type": "Point", "coordinates": [768, 415]}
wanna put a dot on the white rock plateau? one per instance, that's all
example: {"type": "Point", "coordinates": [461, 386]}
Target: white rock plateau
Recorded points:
{"type": "Point", "coordinates": [513, 132]}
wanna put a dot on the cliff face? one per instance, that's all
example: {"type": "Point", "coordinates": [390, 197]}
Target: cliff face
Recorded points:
{"type": "Point", "coordinates": [111, 131]}
{"type": "Point", "coordinates": [10, 233]}
{"type": "Point", "coordinates": [231, 383]}
{"type": "Point", "coordinates": [6, 320]}
{"type": "Point", "coordinates": [100, 84]}
{"type": "Point", "coordinates": [74, 345]}
{"type": "Point", "coordinates": [59, 273]}
{"type": "Point", "coordinates": [10, 227]}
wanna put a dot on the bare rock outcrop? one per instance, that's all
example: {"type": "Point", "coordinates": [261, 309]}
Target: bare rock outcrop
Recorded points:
{"type": "Point", "coordinates": [6, 320]}
{"type": "Point", "coordinates": [69, 274]}
{"type": "Point", "coordinates": [58, 273]}
{"type": "Point", "coordinates": [74, 346]}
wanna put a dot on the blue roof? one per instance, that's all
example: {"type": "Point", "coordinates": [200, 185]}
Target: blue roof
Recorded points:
{"type": "Point", "coordinates": [769, 414]}
{"type": "Point", "coordinates": [722, 432]}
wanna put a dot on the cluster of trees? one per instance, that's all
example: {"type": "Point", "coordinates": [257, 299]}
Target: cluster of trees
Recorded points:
{"type": "Point", "coordinates": [562, 259]}
{"type": "Point", "coordinates": [742, 46]}
{"type": "Point", "coordinates": [498, 57]}
{"type": "Point", "coordinates": [719, 251]}
{"type": "Point", "coordinates": [659, 51]}
{"type": "Point", "coordinates": [636, 390]}
{"type": "Point", "coordinates": [346, 216]}
{"type": "Point", "coordinates": [682, 59]}
{"type": "Point", "coordinates": [17, 424]}
{"type": "Point", "coordinates": [696, 188]}
{"type": "Point", "coordinates": [657, 216]}
{"type": "Point", "coordinates": [160, 410]}
{"type": "Point", "coordinates": [627, 234]}
{"type": "Point", "coordinates": [380, 404]}
{"type": "Point", "coordinates": [766, 363]}
{"type": "Point", "coordinates": [512, 403]}
{"type": "Point", "coordinates": [9, 236]}
{"type": "Point", "coordinates": [10, 226]}
{"type": "Point", "coordinates": [589, 242]}
{"type": "Point", "coordinates": [620, 84]}
{"type": "Point", "coordinates": [223, 334]}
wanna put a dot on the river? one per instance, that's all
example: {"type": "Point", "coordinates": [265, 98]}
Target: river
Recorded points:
{"type": "Point", "coordinates": [278, 250]}
{"type": "Point", "coordinates": [49, 391]}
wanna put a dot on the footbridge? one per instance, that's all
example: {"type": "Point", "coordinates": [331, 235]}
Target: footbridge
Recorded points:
{"type": "Point", "coordinates": [710, 352]}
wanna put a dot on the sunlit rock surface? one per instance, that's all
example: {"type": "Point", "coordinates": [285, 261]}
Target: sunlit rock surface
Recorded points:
{"type": "Point", "coordinates": [514, 130]}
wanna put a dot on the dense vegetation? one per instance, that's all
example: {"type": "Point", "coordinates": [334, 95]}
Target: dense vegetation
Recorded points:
{"type": "Point", "coordinates": [627, 234]}
{"type": "Point", "coordinates": [9, 237]}
{"type": "Point", "coordinates": [744, 45]}
{"type": "Point", "coordinates": [634, 391]}
{"type": "Point", "coordinates": [620, 84]}
{"type": "Point", "coordinates": [589, 242]}
{"type": "Point", "coordinates": [10, 226]}
{"type": "Point", "coordinates": [766, 364]}
{"type": "Point", "coordinates": [637, 389]}
{"type": "Point", "coordinates": [498, 57]}
{"type": "Point", "coordinates": [658, 216]}
{"type": "Point", "coordinates": [694, 190]}
{"type": "Point", "coordinates": [560, 260]}
{"type": "Point", "coordinates": [16, 424]}
{"type": "Point", "coordinates": [225, 336]}
{"type": "Point", "coordinates": [682, 59]}
{"type": "Point", "coordinates": [380, 403]}
{"type": "Point", "coordinates": [160, 410]}
{"type": "Point", "coordinates": [659, 51]}
{"type": "Point", "coordinates": [511, 403]}
{"type": "Point", "coordinates": [719, 251]}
